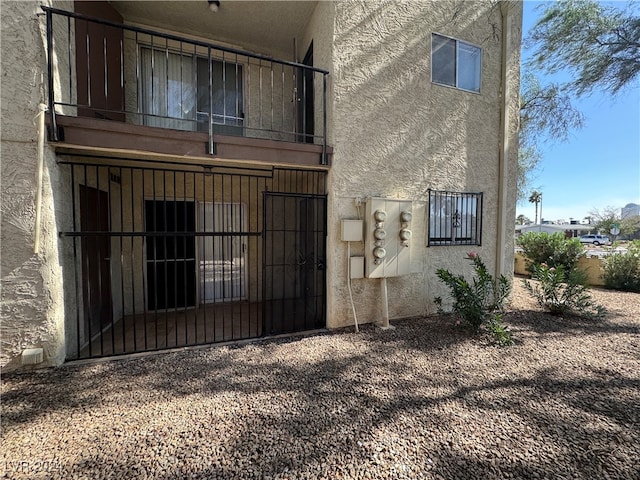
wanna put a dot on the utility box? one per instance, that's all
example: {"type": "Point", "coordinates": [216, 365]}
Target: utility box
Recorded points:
{"type": "Point", "coordinates": [387, 237]}
{"type": "Point", "coordinates": [352, 230]}
{"type": "Point", "coordinates": [356, 267]}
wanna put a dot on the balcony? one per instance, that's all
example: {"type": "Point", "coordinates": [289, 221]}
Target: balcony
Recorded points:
{"type": "Point", "coordinates": [146, 93]}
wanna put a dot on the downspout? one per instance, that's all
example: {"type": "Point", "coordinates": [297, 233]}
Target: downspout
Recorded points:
{"type": "Point", "coordinates": [40, 174]}
{"type": "Point", "coordinates": [503, 153]}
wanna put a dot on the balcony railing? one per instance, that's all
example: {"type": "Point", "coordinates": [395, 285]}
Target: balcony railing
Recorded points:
{"type": "Point", "coordinates": [102, 69]}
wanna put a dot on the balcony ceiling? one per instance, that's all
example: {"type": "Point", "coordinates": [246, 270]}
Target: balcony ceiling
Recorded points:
{"type": "Point", "coordinates": [261, 26]}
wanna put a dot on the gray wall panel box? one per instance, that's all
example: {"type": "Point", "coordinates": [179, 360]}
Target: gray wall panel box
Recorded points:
{"type": "Point", "coordinates": [357, 267]}
{"type": "Point", "coordinates": [352, 230]}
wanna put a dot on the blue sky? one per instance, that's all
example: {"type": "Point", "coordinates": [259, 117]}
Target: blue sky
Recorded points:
{"type": "Point", "coordinates": [599, 166]}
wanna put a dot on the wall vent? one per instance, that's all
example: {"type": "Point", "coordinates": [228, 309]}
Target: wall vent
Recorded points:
{"type": "Point", "coordinates": [32, 356]}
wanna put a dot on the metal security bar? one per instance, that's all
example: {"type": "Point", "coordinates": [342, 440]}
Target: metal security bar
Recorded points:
{"type": "Point", "coordinates": [294, 264]}
{"type": "Point", "coordinates": [107, 70]}
{"type": "Point", "coordinates": [164, 257]}
{"type": "Point", "coordinates": [455, 218]}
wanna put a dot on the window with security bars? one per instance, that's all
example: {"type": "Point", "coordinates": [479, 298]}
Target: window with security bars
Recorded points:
{"type": "Point", "coordinates": [455, 218]}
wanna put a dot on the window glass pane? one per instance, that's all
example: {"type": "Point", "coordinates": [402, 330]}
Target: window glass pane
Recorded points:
{"type": "Point", "coordinates": [227, 92]}
{"type": "Point", "coordinates": [443, 60]}
{"type": "Point", "coordinates": [469, 67]}
{"type": "Point", "coordinates": [168, 88]}
{"type": "Point", "coordinates": [203, 87]}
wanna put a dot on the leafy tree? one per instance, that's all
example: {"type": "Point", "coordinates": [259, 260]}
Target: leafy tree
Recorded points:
{"type": "Point", "coordinates": [546, 110]}
{"type": "Point", "coordinates": [630, 226]}
{"type": "Point", "coordinates": [545, 113]}
{"type": "Point", "coordinates": [522, 220]}
{"type": "Point", "coordinates": [598, 45]}
{"type": "Point", "coordinates": [529, 158]}
{"type": "Point", "coordinates": [536, 197]}
{"type": "Point", "coordinates": [603, 220]}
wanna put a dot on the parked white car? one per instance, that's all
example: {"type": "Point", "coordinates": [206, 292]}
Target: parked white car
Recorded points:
{"type": "Point", "coordinates": [595, 240]}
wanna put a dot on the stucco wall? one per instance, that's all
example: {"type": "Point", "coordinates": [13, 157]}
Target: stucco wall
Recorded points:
{"type": "Point", "coordinates": [396, 135]}
{"type": "Point", "coordinates": [32, 289]}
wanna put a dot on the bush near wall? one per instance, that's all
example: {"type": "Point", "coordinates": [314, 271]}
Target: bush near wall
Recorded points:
{"type": "Point", "coordinates": [593, 267]}
{"type": "Point", "coordinates": [552, 249]}
{"type": "Point", "coordinates": [621, 271]}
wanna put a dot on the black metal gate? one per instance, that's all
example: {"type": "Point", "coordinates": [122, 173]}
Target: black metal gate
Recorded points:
{"type": "Point", "coordinates": [164, 256]}
{"type": "Point", "coordinates": [294, 265]}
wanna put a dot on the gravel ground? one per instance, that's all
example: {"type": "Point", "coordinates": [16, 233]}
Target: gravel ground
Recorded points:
{"type": "Point", "coordinates": [425, 400]}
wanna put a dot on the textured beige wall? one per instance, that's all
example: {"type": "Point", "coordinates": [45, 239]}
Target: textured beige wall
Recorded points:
{"type": "Point", "coordinates": [396, 135]}
{"type": "Point", "coordinates": [32, 289]}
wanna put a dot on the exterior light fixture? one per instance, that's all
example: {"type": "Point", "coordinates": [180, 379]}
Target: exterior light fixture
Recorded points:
{"type": "Point", "coordinates": [214, 5]}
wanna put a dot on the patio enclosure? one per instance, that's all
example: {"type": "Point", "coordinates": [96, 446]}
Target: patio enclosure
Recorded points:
{"type": "Point", "coordinates": [174, 255]}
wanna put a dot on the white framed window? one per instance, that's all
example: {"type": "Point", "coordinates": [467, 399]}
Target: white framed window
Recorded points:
{"type": "Point", "coordinates": [455, 63]}
{"type": "Point", "coordinates": [455, 218]}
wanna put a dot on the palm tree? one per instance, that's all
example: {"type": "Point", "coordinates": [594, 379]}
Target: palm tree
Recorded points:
{"type": "Point", "coordinates": [536, 197]}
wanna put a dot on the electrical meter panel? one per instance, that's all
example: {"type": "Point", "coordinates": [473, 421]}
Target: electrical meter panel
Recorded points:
{"type": "Point", "coordinates": [387, 237]}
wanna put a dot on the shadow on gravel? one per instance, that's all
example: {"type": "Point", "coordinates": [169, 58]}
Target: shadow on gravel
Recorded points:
{"type": "Point", "coordinates": [340, 412]}
{"type": "Point", "coordinates": [542, 322]}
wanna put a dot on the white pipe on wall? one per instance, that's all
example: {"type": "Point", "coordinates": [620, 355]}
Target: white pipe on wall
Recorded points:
{"type": "Point", "coordinates": [385, 304]}
{"type": "Point", "coordinates": [40, 174]}
{"type": "Point", "coordinates": [503, 153]}
{"type": "Point", "coordinates": [353, 307]}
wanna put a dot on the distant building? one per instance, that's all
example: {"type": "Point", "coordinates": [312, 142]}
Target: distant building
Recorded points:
{"type": "Point", "coordinates": [630, 210]}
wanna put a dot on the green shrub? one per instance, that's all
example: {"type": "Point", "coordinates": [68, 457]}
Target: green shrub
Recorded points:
{"type": "Point", "coordinates": [553, 249]}
{"type": "Point", "coordinates": [479, 302]}
{"type": "Point", "coordinates": [561, 292]}
{"type": "Point", "coordinates": [622, 269]}
{"type": "Point", "coordinates": [499, 331]}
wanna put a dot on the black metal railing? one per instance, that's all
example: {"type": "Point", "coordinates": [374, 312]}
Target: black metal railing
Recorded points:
{"type": "Point", "coordinates": [107, 70]}
{"type": "Point", "coordinates": [184, 255]}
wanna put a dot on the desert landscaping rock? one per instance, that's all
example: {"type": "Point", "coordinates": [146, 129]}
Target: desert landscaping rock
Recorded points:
{"type": "Point", "coordinates": [424, 401]}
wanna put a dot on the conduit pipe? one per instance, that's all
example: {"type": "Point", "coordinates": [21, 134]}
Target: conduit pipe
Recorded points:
{"type": "Point", "coordinates": [353, 307]}
{"type": "Point", "coordinates": [385, 304]}
{"type": "Point", "coordinates": [503, 152]}
{"type": "Point", "coordinates": [40, 174]}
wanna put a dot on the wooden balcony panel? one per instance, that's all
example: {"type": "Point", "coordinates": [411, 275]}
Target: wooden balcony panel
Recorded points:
{"type": "Point", "coordinates": [91, 133]}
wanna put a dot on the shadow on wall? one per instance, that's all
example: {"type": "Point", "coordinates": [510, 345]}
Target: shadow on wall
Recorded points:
{"type": "Point", "coordinates": [392, 109]}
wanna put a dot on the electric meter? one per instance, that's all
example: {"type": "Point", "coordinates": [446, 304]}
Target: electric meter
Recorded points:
{"type": "Point", "coordinates": [380, 215]}
{"type": "Point", "coordinates": [379, 252]}
{"type": "Point", "coordinates": [405, 234]}
{"type": "Point", "coordinates": [379, 233]}
{"type": "Point", "coordinates": [405, 217]}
